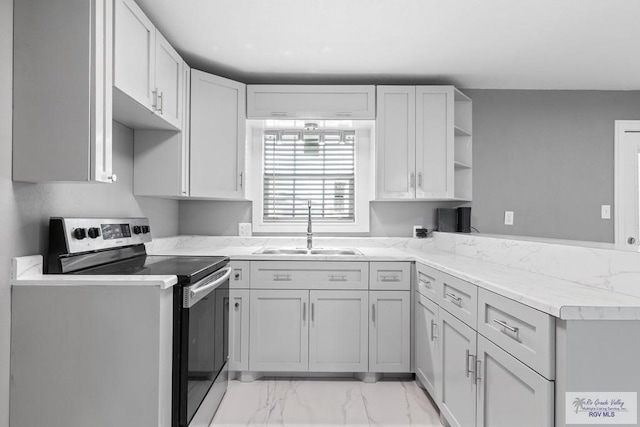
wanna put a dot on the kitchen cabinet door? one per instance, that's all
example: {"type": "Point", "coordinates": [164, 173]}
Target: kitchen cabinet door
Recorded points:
{"type": "Point", "coordinates": [458, 365]}
{"type": "Point", "coordinates": [279, 332]}
{"type": "Point", "coordinates": [427, 348]}
{"type": "Point", "coordinates": [239, 330]}
{"type": "Point", "coordinates": [338, 331]}
{"type": "Point", "coordinates": [62, 91]}
{"type": "Point", "coordinates": [168, 82]}
{"type": "Point", "coordinates": [509, 392]}
{"type": "Point", "coordinates": [389, 331]}
{"type": "Point", "coordinates": [134, 53]}
{"type": "Point", "coordinates": [395, 142]}
{"type": "Point", "coordinates": [217, 137]}
{"type": "Point", "coordinates": [434, 142]}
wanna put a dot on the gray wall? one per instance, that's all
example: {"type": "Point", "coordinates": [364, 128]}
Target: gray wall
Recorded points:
{"type": "Point", "coordinates": [387, 219]}
{"type": "Point", "coordinates": [25, 208]}
{"type": "Point", "coordinates": [547, 156]}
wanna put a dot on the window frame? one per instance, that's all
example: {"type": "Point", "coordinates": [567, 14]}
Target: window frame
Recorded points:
{"type": "Point", "coordinates": [363, 177]}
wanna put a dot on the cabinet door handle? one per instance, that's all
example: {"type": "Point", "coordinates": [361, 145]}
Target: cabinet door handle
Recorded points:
{"type": "Point", "coordinates": [373, 313]}
{"type": "Point", "coordinates": [304, 312]}
{"type": "Point", "coordinates": [241, 179]}
{"type": "Point", "coordinates": [412, 180]}
{"type": "Point", "coordinates": [113, 178]}
{"type": "Point", "coordinates": [470, 367]}
{"type": "Point", "coordinates": [478, 370]}
{"type": "Point", "coordinates": [455, 299]}
{"type": "Point", "coordinates": [237, 305]}
{"type": "Point", "coordinates": [434, 330]}
{"type": "Point", "coordinates": [161, 102]}
{"type": "Point", "coordinates": [154, 104]}
{"type": "Point", "coordinates": [420, 180]}
{"type": "Point", "coordinates": [313, 312]}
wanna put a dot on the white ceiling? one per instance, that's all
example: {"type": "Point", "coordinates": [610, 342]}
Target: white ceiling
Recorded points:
{"type": "Point", "coordinates": [505, 44]}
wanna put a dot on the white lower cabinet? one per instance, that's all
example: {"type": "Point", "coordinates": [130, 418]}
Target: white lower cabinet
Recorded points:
{"type": "Point", "coordinates": [239, 329]}
{"type": "Point", "coordinates": [279, 330]}
{"type": "Point", "coordinates": [338, 331]}
{"type": "Point", "coordinates": [389, 331]}
{"type": "Point", "coordinates": [509, 392]}
{"type": "Point", "coordinates": [457, 365]}
{"type": "Point", "coordinates": [427, 345]}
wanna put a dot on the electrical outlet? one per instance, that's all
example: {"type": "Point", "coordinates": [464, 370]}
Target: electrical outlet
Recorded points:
{"type": "Point", "coordinates": [415, 227]}
{"type": "Point", "coordinates": [244, 229]}
{"type": "Point", "coordinates": [508, 217]}
{"type": "Point", "coordinates": [605, 212]}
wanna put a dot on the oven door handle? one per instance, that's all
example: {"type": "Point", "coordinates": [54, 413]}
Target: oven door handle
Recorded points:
{"type": "Point", "coordinates": [200, 292]}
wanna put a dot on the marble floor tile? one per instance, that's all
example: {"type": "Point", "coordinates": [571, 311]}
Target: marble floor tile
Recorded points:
{"type": "Point", "coordinates": [323, 402]}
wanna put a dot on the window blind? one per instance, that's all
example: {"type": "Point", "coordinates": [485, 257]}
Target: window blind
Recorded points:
{"type": "Point", "coordinates": [309, 165]}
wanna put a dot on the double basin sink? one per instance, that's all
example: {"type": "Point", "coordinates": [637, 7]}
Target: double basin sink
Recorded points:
{"type": "Point", "coordinates": [303, 251]}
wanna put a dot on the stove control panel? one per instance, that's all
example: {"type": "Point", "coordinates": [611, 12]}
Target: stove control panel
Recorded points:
{"type": "Point", "coordinates": [92, 234]}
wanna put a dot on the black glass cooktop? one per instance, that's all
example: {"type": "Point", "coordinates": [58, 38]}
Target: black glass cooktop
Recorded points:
{"type": "Point", "coordinates": [189, 269]}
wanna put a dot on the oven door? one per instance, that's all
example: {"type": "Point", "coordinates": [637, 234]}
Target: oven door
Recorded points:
{"type": "Point", "coordinates": [200, 356]}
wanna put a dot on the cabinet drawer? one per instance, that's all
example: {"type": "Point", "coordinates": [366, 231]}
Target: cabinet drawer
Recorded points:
{"type": "Point", "coordinates": [428, 281]}
{"type": "Point", "coordinates": [459, 298]}
{"type": "Point", "coordinates": [309, 101]}
{"type": "Point", "coordinates": [309, 275]}
{"type": "Point", "coordinates": [391, 276]}
{"type": "Point", "coordinates": [240, 275]}
{"type": "Point", "coordinates": [526, 333]}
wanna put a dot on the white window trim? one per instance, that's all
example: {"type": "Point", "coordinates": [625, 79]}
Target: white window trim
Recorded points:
{"type": "Point", "coordinates": [363, 187]}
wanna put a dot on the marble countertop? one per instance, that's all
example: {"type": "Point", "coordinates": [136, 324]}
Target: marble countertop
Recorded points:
{"type": "Point", "coordinates": [27, 271]}
{"type": "Point", "coordinates": [558, 297]}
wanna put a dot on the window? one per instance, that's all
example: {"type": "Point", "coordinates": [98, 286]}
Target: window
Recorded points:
{"type": "Point", "coordinates": [309, 165]}
{"type": "Point", "coordinates": [330, 166]}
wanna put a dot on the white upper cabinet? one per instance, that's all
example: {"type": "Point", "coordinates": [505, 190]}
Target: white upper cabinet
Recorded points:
{"type": "Point", "coordinates": [169, 82]}
{"type": "Point", "coordinates": [418, 149]}
{"type": "Point", "coordinates": [312, 102]}
{"type": "Point", "coordinates": [217, 137]}
{"type": "Point", "coordinates": [62, 108]}
{"type": "Point", "coordinates": [147, 72]}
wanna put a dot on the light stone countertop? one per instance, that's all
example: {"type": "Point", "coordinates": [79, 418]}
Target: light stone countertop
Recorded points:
{"type": "Point", "coordinates": [568, 300]}
{"type": "Point", "coordinates": [558, 297]}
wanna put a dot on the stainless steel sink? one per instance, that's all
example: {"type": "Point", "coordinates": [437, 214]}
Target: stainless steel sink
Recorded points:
{"type": "Point", "coordinates": [302, 251]}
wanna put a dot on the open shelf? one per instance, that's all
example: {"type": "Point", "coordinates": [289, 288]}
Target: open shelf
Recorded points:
{"type": "Point", "coordinates": [463, 148]}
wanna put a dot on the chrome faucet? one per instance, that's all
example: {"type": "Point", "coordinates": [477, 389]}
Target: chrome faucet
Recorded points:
{"type": "Point", "coordinates": [309, 231]}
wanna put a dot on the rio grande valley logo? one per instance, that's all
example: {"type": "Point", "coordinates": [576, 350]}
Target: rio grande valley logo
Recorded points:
{"type": "Point", "coordinates": [601, 408]}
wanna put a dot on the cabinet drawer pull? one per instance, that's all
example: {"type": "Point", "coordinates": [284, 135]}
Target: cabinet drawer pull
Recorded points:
{"type": "Point", "coordinates": [393, 278]}
{"type": "Point", "coordinates": [279, 114]}
{"type": "Point", "coordinates": [426, 283]}
{"type": "Point", "coordinates": [343, 114]}
{"type": "Point", "coordinates": [434, 330]}
{"type": "Point", "coordinates": [455, 299]}
{"type": "Point", "coordinates": [505, 325]}
{"type": "Point", "coordinates": [282, 277]}
{"type": "Point", "coordinates": [337, 277]}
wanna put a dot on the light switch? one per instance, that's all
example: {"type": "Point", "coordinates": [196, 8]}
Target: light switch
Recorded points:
{"type": "Point", "coordinates": [244, 229]}
{"type": "Point", "coordinates": [605, 212]}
